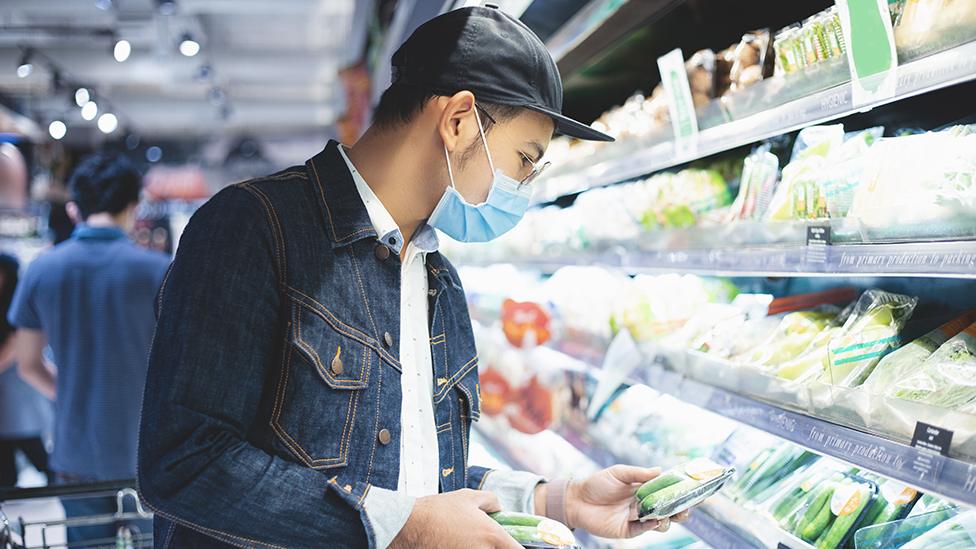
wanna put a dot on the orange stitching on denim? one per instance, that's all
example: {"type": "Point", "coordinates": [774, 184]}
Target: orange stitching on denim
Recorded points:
{"type": "Point", "coordinates": [288, 174]}
{"type": "Point", "coordinates": [439, 338]}
{"type": "Point", "coordinates": [484, 477]}
{"type": "Point", "coordinates": [325, 372]}
{"type": "Point", "coordinates": [362, 497]}
{"type": "Point", "coordinates": [450, 410]}
{"type": "Point", "coordinates": [328, 210]}
{"type": "Point", "coordinates": [453, 380]}
{"type": "Point", "coordinates": [275, 227]}
{"type": "Point", "coordinates": [352, 332]}
{"type": "Point", "coordinates": [362, 292]}
{"type": "Point", "coordinates": [219, 534]}
{"type": "Point", "coordinates": [464, 452]}
{"type": "Point", "coordinates": [287, 439]}
{"type": "Point", "coordinates": [278, 233]}
{"type": "Point", "coordinates": [376, 421]}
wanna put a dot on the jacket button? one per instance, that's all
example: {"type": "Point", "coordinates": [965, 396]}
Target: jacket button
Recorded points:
{"type": "Point", "coordinates": [382, 252]}
{"type": "Point", "coordinates": [337, 366]}
{"type": "Point", "coordinates": [388, 339]}
{"type": "Point", "coordinates": [384, 436]}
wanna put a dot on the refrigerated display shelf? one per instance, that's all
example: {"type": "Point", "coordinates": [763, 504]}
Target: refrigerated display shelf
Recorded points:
{"type": "Point", "coordinates": [928, 471]}
{"type": "Point", "coordinates": [937, 71]}
{"type": "Point", "coordinates": [946, 259]}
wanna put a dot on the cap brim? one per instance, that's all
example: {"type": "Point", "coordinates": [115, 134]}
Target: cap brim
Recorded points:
{"type": "Point", "coordinates": [572, 128]}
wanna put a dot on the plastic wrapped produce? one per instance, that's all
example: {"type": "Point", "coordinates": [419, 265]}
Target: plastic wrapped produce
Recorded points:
{"type": "Point", "coordinates": [903, 361]}
{"type": "Point", "coordinates": [958, 531]}
{"type": "Point", "coordinates": [681, 488]}
{"type": "Point", "coordinates": [795, 333]}
{"type": "Point", "coordinates": [869, 333]}
{"type": "Point", "coordinates": [536, 531]}
{"type": "Point", "coordinates": [833, 510]}
{"type": "Point", "coordinates": [948, 377]}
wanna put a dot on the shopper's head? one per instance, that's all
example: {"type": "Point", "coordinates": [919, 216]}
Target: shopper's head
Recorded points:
{"type": "Point", "coordinates": [9, 268]}
{"type": "Point", "coordinates": [473, 69]}
{"type": "Point", "coordinates": [107, 186]}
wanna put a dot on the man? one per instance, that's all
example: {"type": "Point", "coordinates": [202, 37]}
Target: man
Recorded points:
{"type": "Point", "coordinates": [314, 378]}
{"type": "Point", "coordinates": [91, 299]}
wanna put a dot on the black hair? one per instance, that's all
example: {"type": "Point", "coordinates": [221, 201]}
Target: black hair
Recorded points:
{"type": "Point", "coordinates": [401, 102]}
{"type": "Point", "coordinates": [105, 183]}
{"type": "Point", "coordinates": [9, 270]}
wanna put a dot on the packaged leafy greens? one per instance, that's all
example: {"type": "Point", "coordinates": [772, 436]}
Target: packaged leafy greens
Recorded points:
{"type": "Point", "coordinates": [898, 364]}
{"type": "Point", "coordinates": [948, 377]}
{"type": "Point", "coordinates": [868, 334]}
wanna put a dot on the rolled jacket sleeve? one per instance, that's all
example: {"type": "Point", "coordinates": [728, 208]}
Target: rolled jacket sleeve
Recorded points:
{"type": "Point", "coordinates": [387, 511]}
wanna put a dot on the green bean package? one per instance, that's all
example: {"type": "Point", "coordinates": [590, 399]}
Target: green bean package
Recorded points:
{"type": "Point", "coordinates": [681, 488]}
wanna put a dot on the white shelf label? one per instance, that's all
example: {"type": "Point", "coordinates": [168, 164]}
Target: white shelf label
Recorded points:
{"type": "Point", "coordinates": [680, 105]}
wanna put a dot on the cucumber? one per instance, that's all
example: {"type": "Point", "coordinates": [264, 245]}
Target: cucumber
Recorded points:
{"type": "Point", "coordinates": [750, 472]}
{"type": "Point", "coordinates": [516, 519]}
{"type": "Point", "coordinates": [787, 503]}
{"type": "Point", "coordinates": [664, 495]}
{"type": "Point", "coordinates": [667, 479]}
{"type": "Point", "coordinates": [835, 535]}
{"type": "Point", "coordinates": [819, 498]}
{"type": "Point", "coordinates": [817, 516]}
{"type": "Point", "coordinates": [524, 534]}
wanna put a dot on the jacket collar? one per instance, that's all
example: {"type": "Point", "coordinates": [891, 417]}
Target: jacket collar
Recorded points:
{"type": "Point", "coordinates": [346, 218]}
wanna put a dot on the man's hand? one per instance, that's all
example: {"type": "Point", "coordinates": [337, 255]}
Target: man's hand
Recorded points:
{"type": "Point", "coordinates": [604, 504]}
{"type": "Point", "coordinates": [455, 519]}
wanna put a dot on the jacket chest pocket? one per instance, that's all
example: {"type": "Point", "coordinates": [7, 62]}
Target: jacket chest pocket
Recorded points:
{"type": "Point", "coordinates": [325, 373]}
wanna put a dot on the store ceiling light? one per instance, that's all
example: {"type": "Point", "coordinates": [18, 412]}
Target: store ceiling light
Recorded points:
{"type": "Point", "coordinates": [166, 7]}
{"type": "Point", "coordinates": [82, 96]}
{"type": "Point", "coordinates": [188, 46]}
{"type": "Point", "coordinates": [57, 129]}
{"type": "Point", "coordinates": [122, 50]}
{"type": "Point", "coordinates": [107, 123]}
{"type": "Point", "coordinates": [25, 67]}
{"type": "Point", "coordinates": [89, 111]}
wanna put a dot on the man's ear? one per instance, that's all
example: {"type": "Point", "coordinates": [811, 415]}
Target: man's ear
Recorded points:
{"type": "Point", "coordinates": [456, 120]}
{"type": "Point", "coordinates": [74, 213]}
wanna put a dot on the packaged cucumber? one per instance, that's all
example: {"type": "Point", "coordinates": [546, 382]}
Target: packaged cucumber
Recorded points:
{"type": "Point", "coordinates": [536, 531]}
{"type": "Point", "coordinates": [794, 492]}
{"type": "Point", "coordinates": [784, 461]}
{"type": "Point", "coordinates": [893, 503]}
{"type": "Point", "coordinates": [681, 488]}
{"type": "Point", "coordinates": [958, 532]}
{"type": "Point", "coordinates": [898, 533]}
{"type": "Point", "coordinates": [833, 510]}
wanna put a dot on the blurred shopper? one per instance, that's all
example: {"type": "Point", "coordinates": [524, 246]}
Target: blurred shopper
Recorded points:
{"type": "Point", "coordinates": [25, 415]}
{"type": "Point", "coordinates": [314, 376]}
{"type": "Point", "coordinates": [91, 299]}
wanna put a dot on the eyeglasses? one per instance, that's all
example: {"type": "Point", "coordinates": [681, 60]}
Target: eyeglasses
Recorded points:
{"type": "Point", "coordinates": [537, 167]}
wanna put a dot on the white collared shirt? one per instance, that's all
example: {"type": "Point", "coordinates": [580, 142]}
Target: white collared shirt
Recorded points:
{"type": "Point", "coordinates": [419, 456]}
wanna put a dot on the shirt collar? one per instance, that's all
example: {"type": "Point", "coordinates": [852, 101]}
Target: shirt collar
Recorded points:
{"type": "Point", "coordinates": [85, 232]}
{"type": "Point", "coordinates": [424, 240]}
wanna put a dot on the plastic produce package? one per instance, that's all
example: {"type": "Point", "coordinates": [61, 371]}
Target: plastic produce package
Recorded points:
{"type": "Point", "coordinates": [869, 333]}
{"type": "Point", "coordinates": [927, 513]}
{"type": "Point", "coordinates": [536, 531]}
{"type": "Point", "coordinates": [958, 531]}
{"type": "Point", "coordinates": [767, 469]}
{"type": "Point", "coordinates": [681, 488]}
{"type": "Point", "coordinates": [948, 377]}
{"type": "Point", "coordinates": [832, 511]}
{"type": "Point", "coordinates": [903, 361]}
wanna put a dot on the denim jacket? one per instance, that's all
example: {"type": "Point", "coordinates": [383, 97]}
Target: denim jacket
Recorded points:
{"type": "Point", "coordinates": [272, 405]}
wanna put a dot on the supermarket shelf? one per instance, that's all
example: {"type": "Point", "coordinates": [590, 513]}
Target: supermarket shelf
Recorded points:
{"type": "Point", "coordinates": [592, 30]}
{"type": "Point", "coordinates": [717, 534]}
{"type": "Point", "coordinates": [927, 74]}
{"type": "Point", "coordinates": [950, 259]}
{"type": "Point", "coordinates": [941, 475]}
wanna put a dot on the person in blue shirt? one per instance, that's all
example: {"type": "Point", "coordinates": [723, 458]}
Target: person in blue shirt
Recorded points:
{"type": "Point", "coordinates": [90, 299]}
{"type": "Point", "coordinates": [25, 415]}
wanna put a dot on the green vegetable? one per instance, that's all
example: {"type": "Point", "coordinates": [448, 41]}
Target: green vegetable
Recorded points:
{"type": "Point", "coordinates": [817, 515]}
{"type": "Point", "coordinates": [516, 519]}
{"type": "Point", "coordinates": [842, 524]}
{"type": "Point", "coordinates": [664, 495]}
{"type": "Point", "coordinates": [524, 534]}
{"type": "Point", "coordinates": [667, 479]}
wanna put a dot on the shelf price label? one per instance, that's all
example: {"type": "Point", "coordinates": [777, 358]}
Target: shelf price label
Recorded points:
{"type": "Point", "coordinates": [871, 53]}
{"type": "Point", "coordinates": [674, 77]}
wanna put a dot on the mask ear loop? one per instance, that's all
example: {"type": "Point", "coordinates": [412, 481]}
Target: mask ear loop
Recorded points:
{"type": "Point", "coordinates": [449, 172]}
{"type": "Point", "coordinates": [484, 140]}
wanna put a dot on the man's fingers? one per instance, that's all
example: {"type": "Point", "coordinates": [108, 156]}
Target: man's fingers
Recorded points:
{"type": "Point", "coordinates": [663, 525]}
{"type": "Point", "coordinates": [634, 512]}
{"type": "Point", "coordinates": [635, 529]}
{"type": "Point", "coordinates": [629, 474]}
{"type": "Point", "coordinates": [682, 516]}
{"type": "Point", "coordinates": [487, 501]}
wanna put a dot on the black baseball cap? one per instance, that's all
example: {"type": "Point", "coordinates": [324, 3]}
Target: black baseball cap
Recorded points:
{"type": "Point", "coordinates": [491, 54]}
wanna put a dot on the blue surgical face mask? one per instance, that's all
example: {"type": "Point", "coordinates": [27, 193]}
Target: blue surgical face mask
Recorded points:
{"type": "Point", "coordinates": [503, 209]}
